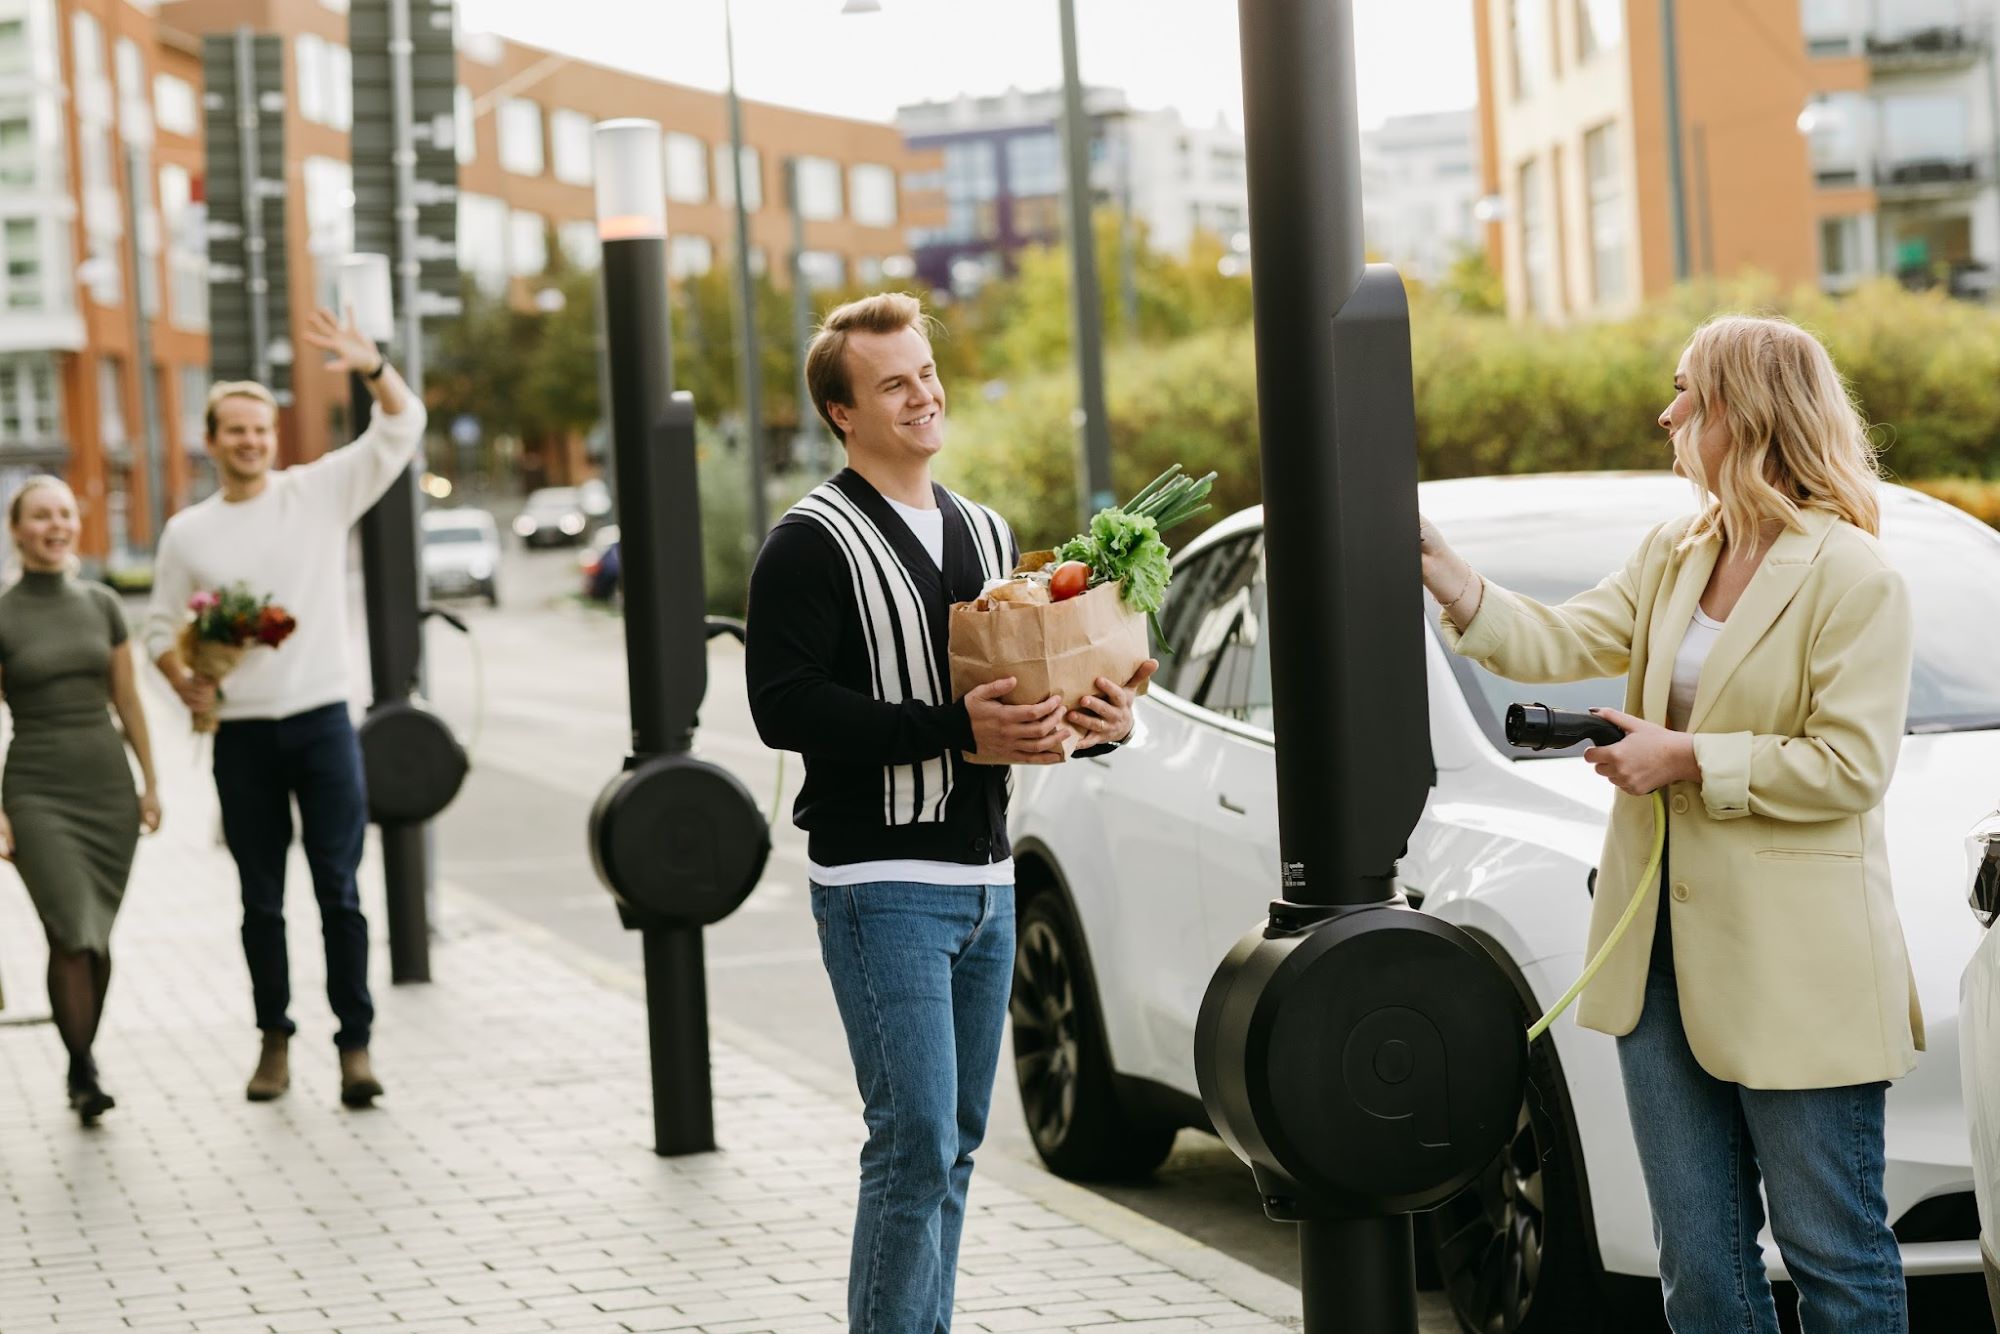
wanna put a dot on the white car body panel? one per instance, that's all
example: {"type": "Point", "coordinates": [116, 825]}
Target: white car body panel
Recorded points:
{"type": "Point", "coordinates": [1165, 878]}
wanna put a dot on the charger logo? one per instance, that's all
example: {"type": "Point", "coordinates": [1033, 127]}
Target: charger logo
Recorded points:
{"type": "Point", "coordinates": [1395, 1069]}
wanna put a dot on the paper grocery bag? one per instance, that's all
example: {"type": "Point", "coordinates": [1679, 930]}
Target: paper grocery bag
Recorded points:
{"type": "Point", "coordinates": [1059, 648]}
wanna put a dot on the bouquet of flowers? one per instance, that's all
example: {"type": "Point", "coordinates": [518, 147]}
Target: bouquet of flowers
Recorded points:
{"type": "Point", "coordinates": [1068, 616]}
{"type": "Point", "coordinates": [226, 624]}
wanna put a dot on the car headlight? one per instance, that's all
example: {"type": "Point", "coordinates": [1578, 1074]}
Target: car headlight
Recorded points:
{"type": "Point", "coordinates": [1982, 867]}
{"type": "Point", "coordinates": [572, 524]}
{"type": "Point", "coordinates": [479, 569]}
{"type": "Point", "coordinates": [525, 526]}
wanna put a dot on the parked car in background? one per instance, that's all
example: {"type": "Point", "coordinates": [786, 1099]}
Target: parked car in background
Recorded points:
{"type": "Point", "coordinates": [600, 563]}
{"type": "Point", "coordinates": [461, 554]}
{"type": "Point", "coordinates": [1136, 873]}
{"type": "Point", "coordinates": [552, 516]}
{"type": "Point", "coordinates": [1979, 1043]}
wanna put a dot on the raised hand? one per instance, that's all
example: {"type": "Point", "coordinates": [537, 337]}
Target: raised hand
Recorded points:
{"type": "Point", "coordinates": [350, 349]}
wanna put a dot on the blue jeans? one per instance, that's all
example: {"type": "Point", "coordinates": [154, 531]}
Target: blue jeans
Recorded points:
{"type": "Point", "coordinates": [1705, 1143]}
{"type": "Point", "coordinates": [921, 974]}
{"type": "Point", "coordinates": [260, 765]}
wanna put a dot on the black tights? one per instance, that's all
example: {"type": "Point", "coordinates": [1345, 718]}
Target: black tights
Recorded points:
{"type": "Point", "coordinates": [78, 980]}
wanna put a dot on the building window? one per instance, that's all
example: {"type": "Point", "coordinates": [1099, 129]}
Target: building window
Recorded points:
{"type": "Point", "coordinates": [580, 245]}
{"type": "Point", "coordinates": [521, 137]}
{"type": "Point", "coordinates": [689, 256]}
{"type": "Point", "coordinates": [21, 246]}
{"type": "Point", "coordinates": [339, 87]}
{"type": "Point", "coordinates": [1528, 33]}
{"type": "Point", "coordinates": [971, 171]}
{"type": "Point", "coordinates": [13, 58]}
{"type": "Point", "coordinates": [87, 48]}
{"type": "Point", "coordinates": [753, 178]}
{"type": "Point", "coordinates": [135, 111]}
{"type": "Point", "coordinates": [1923, 134]}
{"type": "Point", "coordinates": [329, 207]}
{"type": "Point", "coordinates": [185, 223]}
{"type": "Point", "coordinates": [1840, 250]}
{"type": "Point", "coordinates": [1607, 214]}
{"type": "Point", "coordinates": [309, 77]}
{"type": "Point", "coordinates": [17, 152]}
{"type": "Point", "coordinates": [111, 402]}
{"type": "Point", "coordinates": [1829, 26]}
{"type": "Point", "coordinates": [482, 241]}
{"type": "Point", "coordinates": [1537, 264]}
{"type": "Point", "coordinates": [1834, 128]}
{"type": "Point", "coordinates": [818, 181]}
{"type": "Point", "coordinates": [821, 269]}
{"type": "Point", "coordinates": [687, 168]}
{"type": "Point", "coordinates": [462, 126]}
{"type": "Point", "coordinates": [527, 244]}
{"type": "Point", "coordinates": [1034, 165]}
{"type": "Point", "coordinates": [174, 106]}
{"type": "Point", "coordinates": [1600, 26]}
{"type": "Point", "coordinates": [194, 406]}
{"type": "Point", "coordinates": [871, 194]}
{"type": "Point", "coordinates": [30, 410]}
{"type": "Point", "coordinates": [569, 141]}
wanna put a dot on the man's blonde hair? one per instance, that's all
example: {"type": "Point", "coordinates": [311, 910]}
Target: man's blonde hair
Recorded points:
{"type": "Point", "coordinates": [826, 355]}
{"type": "Point", "coordinates": [1796, 439]}
{"type": "Point", "coordinates": [237, 389]}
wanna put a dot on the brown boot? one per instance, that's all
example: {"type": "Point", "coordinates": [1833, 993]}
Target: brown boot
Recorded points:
{"type": "Point", "coordinates": [274, 1071]}
{"type": "Point", "coordinates": [358, 1085]}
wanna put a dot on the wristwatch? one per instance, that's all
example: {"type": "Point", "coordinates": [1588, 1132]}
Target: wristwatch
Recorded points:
{"type": "Point", "coordinates": [381, 364]}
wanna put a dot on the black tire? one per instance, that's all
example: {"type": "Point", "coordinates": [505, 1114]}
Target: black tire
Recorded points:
{"type": "Point", "coordinates": [1512, 1250]}
{"type": "Point", "coordinates": [493, 595]}
{"type": "Point", "coordinates": [1061, 1062]}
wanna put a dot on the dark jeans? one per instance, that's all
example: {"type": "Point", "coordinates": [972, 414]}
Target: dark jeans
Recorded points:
{"type": "Point", "coordinates": [260, 766]}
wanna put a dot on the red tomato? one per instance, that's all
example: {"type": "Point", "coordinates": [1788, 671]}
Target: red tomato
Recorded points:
{"type": "Point", "coordinates": [1068, 579]}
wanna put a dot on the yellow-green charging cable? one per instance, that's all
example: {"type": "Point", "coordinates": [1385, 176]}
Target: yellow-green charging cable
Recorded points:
{"type": "Point", "coordinates": [1641, 893]}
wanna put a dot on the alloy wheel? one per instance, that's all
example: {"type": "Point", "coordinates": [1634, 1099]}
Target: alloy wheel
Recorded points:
{"type": "Point", "coordinates": [1043, 1010]}
{"type": "Point", "coordinates": [1491, 1237]}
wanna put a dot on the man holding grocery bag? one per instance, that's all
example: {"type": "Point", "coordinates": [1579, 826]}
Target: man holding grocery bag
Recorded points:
{"type": "Point", "coordinates": [912, 878]}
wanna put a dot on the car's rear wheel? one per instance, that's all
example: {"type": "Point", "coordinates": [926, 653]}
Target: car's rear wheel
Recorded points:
{"type": "Point", "coordinates": [1513, 1252]}
{"type": "Point", "coordinates": [1061, 1062]}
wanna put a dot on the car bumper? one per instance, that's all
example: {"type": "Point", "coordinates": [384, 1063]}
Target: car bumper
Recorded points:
{"type": "Point", "coordinates": [457, 585]}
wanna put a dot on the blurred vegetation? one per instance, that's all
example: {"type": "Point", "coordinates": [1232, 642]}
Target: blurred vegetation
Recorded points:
{"type": "Point", "coordinates": [1492, 395]}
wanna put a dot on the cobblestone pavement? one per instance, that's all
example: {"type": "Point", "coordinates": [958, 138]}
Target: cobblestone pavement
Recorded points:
{"type": "Point", "coordinates": [506, 1182]}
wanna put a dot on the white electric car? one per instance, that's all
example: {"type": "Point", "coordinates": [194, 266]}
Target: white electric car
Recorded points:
{"type": "Point", "coordinates": [1136, 873]}
{"type": "Point", "coordinates": [1979, 1049]}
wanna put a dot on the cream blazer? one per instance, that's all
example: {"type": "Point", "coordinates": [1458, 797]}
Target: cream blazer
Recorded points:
{"type": "Point", "coordinates": [1792, 968]}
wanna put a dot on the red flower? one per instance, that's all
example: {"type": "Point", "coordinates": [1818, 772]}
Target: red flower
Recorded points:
{"type": "Point", "coordinates": [273, 625]}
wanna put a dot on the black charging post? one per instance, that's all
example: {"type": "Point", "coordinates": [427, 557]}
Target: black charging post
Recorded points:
{"type": "Point", "coordinates": [678, 841]}
{"type": "Point", "coordinates": [1366, 1060]}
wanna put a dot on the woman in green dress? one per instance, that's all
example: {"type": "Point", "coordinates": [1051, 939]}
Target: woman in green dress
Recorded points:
{"type": "Point", "coordinates": [69, 818]}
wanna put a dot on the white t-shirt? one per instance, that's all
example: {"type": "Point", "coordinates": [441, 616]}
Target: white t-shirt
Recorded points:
{"type": "Point", "coordinates": [290, 541]}
{"type": "Point", "coordinates": [928, 525]}
{"type": "Point", "coordinates": [1701, 635]}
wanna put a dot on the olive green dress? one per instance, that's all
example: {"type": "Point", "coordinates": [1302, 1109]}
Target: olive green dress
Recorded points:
{"type": "Point", "coordinates": [68, 789]}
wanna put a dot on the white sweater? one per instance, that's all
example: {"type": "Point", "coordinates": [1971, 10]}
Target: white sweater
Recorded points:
{"type": "Point", "coordinates": [290, 541]}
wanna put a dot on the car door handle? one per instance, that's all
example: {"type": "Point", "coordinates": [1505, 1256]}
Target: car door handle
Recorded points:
{"type": "Point", "coordinates": [1229, 805]}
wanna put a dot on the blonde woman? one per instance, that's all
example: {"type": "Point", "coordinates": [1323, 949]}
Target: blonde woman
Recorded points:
{"type": "Point", "coordinates": [1763, 1008]}
{"type": "Point", "coordinates": [71, 819]}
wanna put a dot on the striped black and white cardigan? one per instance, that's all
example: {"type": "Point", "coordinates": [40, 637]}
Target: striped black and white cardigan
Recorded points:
{"type": "Point", "coordinates": [846, 665]}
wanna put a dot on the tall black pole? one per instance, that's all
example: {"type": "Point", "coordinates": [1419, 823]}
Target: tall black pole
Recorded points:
{"type": "Point", "coordinates": [1087, 324]}
{"type": "Point", "coordinates": [749, 374]}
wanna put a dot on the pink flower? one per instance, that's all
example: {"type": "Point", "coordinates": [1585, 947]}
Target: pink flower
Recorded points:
{"type": "Point", "coordinates": [203, 601]}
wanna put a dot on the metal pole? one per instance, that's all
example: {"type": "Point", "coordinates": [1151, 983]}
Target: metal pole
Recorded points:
{"type": "Point", "coordinates": [1086, 323]}
{"type": "Point", "coordinates": [809, 435]}
{"type": "Point", "coordinates": [138, 174]}
{"type": "Point", "coordinates": [1676, 175]}
{"type": "Point", "coordinates": [247, 122]}
{"type": "Point", "coordinates": [1128, 260]}
{"type": "Point", "coordinates": [409, 267]}
{"type": "Point", "coordinates": [677, 1040]}
{"type": "Point", "coordinates": [1330, 1250]}
{"type": "Point", "coordinates": [749, 374]}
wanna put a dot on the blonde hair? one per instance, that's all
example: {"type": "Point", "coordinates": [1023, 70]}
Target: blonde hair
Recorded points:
{"type": "Point", "coordinates": [238, 389]}
{"type": "Point", "coordinates": [826, 355]}
{"type": "Point", "coordinates": [1797, 441]}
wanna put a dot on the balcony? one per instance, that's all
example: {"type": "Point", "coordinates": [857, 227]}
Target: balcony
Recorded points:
{"type": "Point", "coordinates": [1916, 179]}
{"type": "Point", "coordinates": [1935, 49]}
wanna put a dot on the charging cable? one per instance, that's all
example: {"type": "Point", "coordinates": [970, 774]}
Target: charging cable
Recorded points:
{"type": "Point", "coordinates": [1641, 894]}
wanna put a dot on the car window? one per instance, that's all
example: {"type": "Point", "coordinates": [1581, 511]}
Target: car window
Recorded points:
{"type": "Point", "coordinates": [442, 536]}
{"type": "Point", "coordinates": [1215, 628]}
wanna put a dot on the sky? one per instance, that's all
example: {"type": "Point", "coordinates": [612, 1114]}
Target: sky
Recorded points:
{"type": "Point", "coordinates": [1416, 55]}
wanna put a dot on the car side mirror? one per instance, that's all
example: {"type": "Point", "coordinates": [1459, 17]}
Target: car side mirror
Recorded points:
{"type": "Point", "coordinates": [1982, 860]}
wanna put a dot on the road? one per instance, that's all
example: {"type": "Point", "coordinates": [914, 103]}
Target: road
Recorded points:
{"type": "Point", "coordinates": [539, 692]}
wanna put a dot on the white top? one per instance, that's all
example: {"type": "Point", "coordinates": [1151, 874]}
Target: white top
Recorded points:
{"type": "Point", "coordinates": [1695, 645]}
{"type": "Point", "coordinates": [290, 541]}
{"type": "Point", "coordinates": [928, 525]}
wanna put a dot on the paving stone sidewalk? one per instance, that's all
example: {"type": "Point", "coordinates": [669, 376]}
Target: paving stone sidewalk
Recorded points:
{"type": "Point", "coordinates": [506, 1182]}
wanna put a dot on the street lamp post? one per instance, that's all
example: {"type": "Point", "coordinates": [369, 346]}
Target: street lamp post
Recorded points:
{"type": "Point", "coordinates": [749, 376]}
{"type": "Point", "coordinates": [1088, 326]}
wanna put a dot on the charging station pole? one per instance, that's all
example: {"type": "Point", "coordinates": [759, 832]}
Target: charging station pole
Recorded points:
{"type": "Point", "coordinates": [1366, 1060]}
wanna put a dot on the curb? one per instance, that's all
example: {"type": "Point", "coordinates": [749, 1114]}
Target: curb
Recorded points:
{"type": "Point", "coordinates": [1229, 1277]}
